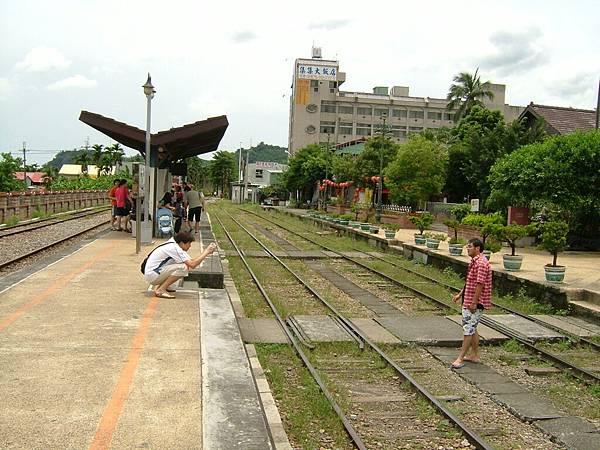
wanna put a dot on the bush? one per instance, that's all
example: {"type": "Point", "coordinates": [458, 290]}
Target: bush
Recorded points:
{"type": "Point", "coordinates": [459, 212]}
{"type": "Point", "coordinates": [421, 221]}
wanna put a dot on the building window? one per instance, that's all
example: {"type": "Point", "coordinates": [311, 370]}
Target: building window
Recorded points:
{"type": "Point", "coordinates": [363, 129]}
{"type": "Point", "coordinates": [310, 129]}
{"type": "Point", "coordinates": [314, 84]}
{"type": "Point", "coordinates": [364, 111]}
{"type": "Point", "coordinates": [258, 173]}
{"type": "Point", "coordinates": [434, 115]}
{"type": "Point", "coordinates": [381, 112]}
{"type": "Point", "coordinates": [345, 109]}
{"type": "Point", "coordinates": [328, 107]}
{"type": "Point", "coordinates": [399, 133]}
{"type": "Point", "coordinates": [401, 113]}
{"type": "Point", "coordinates": [332, 87]}
{"type": "Point", "coordinates": [413, 130]}
{"type": "Point", "coordinates": [346, 128]}
{"type": "Point", "coordinates": [448, 116]}
{"type": "Point", "coordinates": [327, 127]}
{"type": "Point", "coordinates": [416, 114]}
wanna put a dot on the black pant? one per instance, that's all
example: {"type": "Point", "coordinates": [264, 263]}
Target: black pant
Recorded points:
{"type": "Point", "coordinates": [177, 224]}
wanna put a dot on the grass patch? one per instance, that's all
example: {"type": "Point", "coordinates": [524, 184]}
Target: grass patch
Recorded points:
{"type": "Point", "coordinates": [12, 221]}
{"type": "Point", "coordinates": [524, 304]}
{"type": "Point", "coordinates": [512, 346]}
{"type": "Point", "coordinates": [307, 416]}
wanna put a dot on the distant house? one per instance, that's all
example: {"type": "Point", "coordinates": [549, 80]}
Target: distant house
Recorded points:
{"type": "Point", "coordinates": [75, 170]}
{"type": "Point", "coordinates": [33, 179]}
{"type": "Point", "coordinates": [559, 120]}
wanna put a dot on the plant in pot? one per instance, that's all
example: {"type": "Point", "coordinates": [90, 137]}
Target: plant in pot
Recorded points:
{"type": "Point", "coordinates": [390, 234]}
{"type": "Point", "coordinates": [491, 246]}
{"type": "Point", "coordinates": [345, 219]}
{"type": "Point", "coordinates": [511, 234]}
{"type": "Point", "coordinates": [488, 225]}
{"type": "Point", "coordinates": [456, 245]}
{"type": "Point", "coordinates": [434, 239]}
{"type": "Point", "coordinates": [421, 221]}
{"type": "Point", "coordinates": [554, 240]}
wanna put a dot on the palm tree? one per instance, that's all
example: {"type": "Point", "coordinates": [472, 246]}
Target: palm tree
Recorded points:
{"type": "Point", "coordinates": [466, 92]}
{"type": "Point", "coordinates": [84, 160]}
{"type": "Point", "coordinates": [97, 156]}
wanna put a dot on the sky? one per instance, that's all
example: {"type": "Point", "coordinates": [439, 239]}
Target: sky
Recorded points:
{"type": "Point", "coordinates": [236, 58]}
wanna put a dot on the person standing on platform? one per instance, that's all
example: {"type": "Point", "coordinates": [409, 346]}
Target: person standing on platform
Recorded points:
{"type": "Point", "coordinates": [170, 262]}
{"type": "Point", "coordinates": [121, 195]}
{"type": "Point", "coordinates": [194, 200]}
{"type": "Point", "coordinates": [476, 296]}
{"type": "Point", "coordinates": [113, 203]}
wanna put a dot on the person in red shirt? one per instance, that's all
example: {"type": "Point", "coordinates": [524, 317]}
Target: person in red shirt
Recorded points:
{"type": "Point", "coordinates": [121, 195]}
{"type": "Point", "coordinates": [113, 203]}
{"type": "Point", "coordinates": [476, 296]}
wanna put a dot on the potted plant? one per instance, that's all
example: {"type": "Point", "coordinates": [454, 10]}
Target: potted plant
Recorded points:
{"type": "Point", "coordinates": [554, 240]}
{"type": "Point", "coordinates": [345, 219]}
{"type": "Point", "coordinates": [434, 239]}
{"type": "Point", "coordinates": [421, 221]}
{"type": "Point", "coordinates": [365, 226]}
{"type": "Point", "coordinates": [491, 246]}
{"type": "Point", "coordinates": [489, 225]}
{"type": "Point", "coordinates": [390, 234]}
{"type": "Point", "coordinates": [511, 234]}
{"type": "Point", "coordinates": [456, 245]}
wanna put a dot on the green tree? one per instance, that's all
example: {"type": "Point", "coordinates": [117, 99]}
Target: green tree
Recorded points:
{"type": "Point", "coordinates": [97, 156]}
{"type": "Point", "coordinates": [418, 172]}
{"type": "Point", "coordinates": [83, 159]}
{"type": "Point", "coordinates": [467, 91]}
{"type": "Point", "coordinates": [344, 167]}
{"type": "Point", "coordinates": [8, 167]}
{"type": "Point", "coordinates": [306, 167]}
{"type": "Point", "coordinates": [198, 171]}
{"type": "Point", "coordinates": [222, 168]}
{"type": "Point", "coordinates": [563, 171]}
{"type": "Point", "coordinates": [482, 138]}
{"type": "Point", "coordinates": [367, 163]}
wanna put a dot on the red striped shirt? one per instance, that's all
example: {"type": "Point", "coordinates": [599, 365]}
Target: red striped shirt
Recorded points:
{"type": "Point", "coordinates": [480, 271]}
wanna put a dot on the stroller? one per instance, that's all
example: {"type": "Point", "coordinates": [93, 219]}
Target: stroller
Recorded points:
{"type": "Point", "coordinates": [164, 222]}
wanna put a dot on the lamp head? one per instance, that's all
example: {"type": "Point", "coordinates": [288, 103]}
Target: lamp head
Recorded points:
{"type": "Point", "coordinates": [148, 88]}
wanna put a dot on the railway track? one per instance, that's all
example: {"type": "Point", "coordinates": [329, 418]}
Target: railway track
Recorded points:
{"type": "Point", "coordinates": [42, 223]}
{"type": "Point", "coordinates": [581, 373]}
{"type": "Point", "coordinates": [55, 243]}
{"type": "Point", "coordinates": [354, 377]}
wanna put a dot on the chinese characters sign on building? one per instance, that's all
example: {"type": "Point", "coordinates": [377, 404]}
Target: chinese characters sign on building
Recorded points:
{"type": "Point", "coordinates": [317, 72]}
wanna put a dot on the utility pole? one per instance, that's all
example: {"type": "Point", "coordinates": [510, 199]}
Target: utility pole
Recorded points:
{"type": "Point", "coordinates": [378, 209]}
{"type": "Point", "coordinates": [598, 107]}
{"type": "Point", "coordinates": [24, 165]}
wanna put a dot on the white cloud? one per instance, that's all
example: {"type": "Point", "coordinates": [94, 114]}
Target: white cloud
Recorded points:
{"type": "Point", "coordinates": [43, 59]}
{"type": "Point", "coordinates": [76, 81]}
{"type": "Point", "coordinates": [208, 106]}
{"type": "Point", "coordinates": [5, 88]}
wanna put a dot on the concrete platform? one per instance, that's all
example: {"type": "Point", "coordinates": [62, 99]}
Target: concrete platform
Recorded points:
{"type": "Point", "coordinates": [265, 331]}
{"type": "Point", "coordinates": [423, 330]}
{"type": "Point", "coordinates": [322, 329]}
{"type": "Point", "coordinates": [374, 331]}
{"type": "Point", "coordinates": [566, 325]}
{"type": "Point", "coordinates": [88, 361]}
{"type": "Point", "coordinates": [526, 328]}
{"type": "Point", "coordinates": [486, 333]}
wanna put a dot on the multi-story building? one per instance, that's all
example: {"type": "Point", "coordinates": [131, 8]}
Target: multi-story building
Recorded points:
{"type": "Point", "coordinates": [321, 113]}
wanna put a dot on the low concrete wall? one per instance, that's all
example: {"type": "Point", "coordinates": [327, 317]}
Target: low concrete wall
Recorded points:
{"type": "Point", "coordinates": [386, 217]}
{"type": "Point", "coordinates": [24, 204]}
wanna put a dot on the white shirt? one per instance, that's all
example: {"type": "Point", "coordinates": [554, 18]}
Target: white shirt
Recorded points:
{"type": "Point", "coordinates": [170, 253]}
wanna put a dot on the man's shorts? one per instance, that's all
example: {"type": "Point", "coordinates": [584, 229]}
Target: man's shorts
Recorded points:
{"type": "Point", "coordinates": [121, 212]}
{"type": "Point", "coordinates": [175, 270]}
{"type": "Point", "coordinates": [470, 320]}
{"type": "Point", "coordinates": [194, 214]}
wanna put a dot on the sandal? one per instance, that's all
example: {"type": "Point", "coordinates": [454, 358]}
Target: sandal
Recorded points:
{"type": "Point", "coordinates": [164, 295]}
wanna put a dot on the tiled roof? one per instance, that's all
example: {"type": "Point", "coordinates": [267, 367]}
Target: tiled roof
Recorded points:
{"type": "Point", "coordinates": [35, 177]}
{"type": "Point", "coordinates": [562, 120]}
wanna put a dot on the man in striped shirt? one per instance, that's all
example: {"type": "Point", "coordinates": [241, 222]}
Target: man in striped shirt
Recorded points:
{"type": "Point", "coordinates": [476, 296]}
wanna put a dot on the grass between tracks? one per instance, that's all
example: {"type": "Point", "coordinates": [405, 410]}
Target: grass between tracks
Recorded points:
{"type": "Point", "coordinates": [308, 418]}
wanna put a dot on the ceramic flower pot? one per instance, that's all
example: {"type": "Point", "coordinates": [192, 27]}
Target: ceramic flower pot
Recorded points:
{"type": "Point", "coordinates": [455, 249]}
{"type": "Point", "coordinates": [420, 239]}
{"type": "Point", "coordinates": [432, 243]}
{"type": "Point", "coordinates": [512, 263]}
{"type": "Point", "coordinates": [554, 274]}
{"type": "Point", "coordinates": [390, 234]}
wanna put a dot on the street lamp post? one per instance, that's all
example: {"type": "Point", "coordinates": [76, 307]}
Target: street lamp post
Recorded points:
{"type": "Point", "coordinates": [378, 209]}
{"type": "Point", "coordinates": [149, 91]}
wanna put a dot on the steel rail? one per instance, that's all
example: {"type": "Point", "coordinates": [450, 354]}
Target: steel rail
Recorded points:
{"type": "Point", "coordinates": [473, 437]}
{"type": "Point", "coordinates": [46, 247]}
{"type": "Point", "coordinates": [291, 337]}
{"type": "Point", "coordinates": [42, 223]}
{"type": "Point", "coordinates": [579, 372]}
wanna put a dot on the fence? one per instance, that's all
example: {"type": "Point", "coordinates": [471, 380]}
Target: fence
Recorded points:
{"type": "Point", "coordinates": [24, 204]}
{"type": "Point", "coordinates": [440, 208]}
